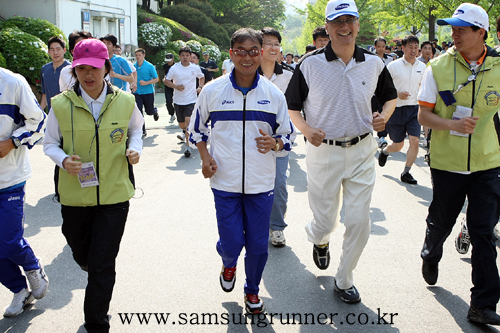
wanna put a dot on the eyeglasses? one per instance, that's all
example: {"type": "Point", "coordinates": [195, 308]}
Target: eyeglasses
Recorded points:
{"type": "Point", "coordinates": [243, 52]}
{"type": "Point", "coordinates": [338, 23]}
{"type": "Point", "coordinates": [269, 44]}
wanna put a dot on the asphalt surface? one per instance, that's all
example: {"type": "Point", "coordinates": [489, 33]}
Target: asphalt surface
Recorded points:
{"type": "Point", "coordinates": [168, 263]}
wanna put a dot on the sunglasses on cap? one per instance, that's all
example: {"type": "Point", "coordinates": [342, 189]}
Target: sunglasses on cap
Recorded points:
{"type": "Point", "coordinates": [243, 52]}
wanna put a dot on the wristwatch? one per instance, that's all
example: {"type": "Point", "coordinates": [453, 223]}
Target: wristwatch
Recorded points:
{"type": "Point", "coordinates": [16, 142]}
{"type": "Point", "coordinates": [277, 147]}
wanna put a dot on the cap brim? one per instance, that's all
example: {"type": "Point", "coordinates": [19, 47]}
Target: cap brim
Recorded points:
{"type": "Point", "coordinates": [94, 62]}
{"type": "Point", "coordinates": [454, 21]}
{"type": "Point", "coordinates": [334, 16]}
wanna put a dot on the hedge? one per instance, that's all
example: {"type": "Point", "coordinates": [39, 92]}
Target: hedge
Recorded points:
{"type": "Point", "coordinates": [24, 53]}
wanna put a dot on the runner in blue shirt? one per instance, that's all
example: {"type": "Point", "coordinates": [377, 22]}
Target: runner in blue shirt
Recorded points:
{"type": "Point", "coordinates": [121, 73]}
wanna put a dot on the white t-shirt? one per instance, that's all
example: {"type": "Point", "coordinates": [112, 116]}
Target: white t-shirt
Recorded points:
{"type": "Point", "coordinates": [407, 77]}
{"type": "Point", "coordinates": [132, 67]}
{"type": "Point", "coordinates": [67, 80]}
{"type": "Point", "coordinates": [227, 65]}
{"type": "Point", "coordinates": [185, 75]}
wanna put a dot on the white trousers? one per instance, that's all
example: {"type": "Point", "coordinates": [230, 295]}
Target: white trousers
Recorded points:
{"type": "Point", "coordinates": [334, 173]}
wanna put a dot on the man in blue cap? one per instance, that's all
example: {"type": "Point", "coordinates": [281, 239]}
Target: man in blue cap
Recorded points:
{"type": "Point", "coordinates": [459, 100]}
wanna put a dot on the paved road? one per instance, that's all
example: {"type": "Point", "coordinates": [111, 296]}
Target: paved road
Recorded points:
{"type": "Point", "coordinates": [168, 262]}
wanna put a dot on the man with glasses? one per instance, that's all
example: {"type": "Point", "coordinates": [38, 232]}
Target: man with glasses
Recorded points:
{"type": "Point", "coordinates": [247, 120]}
{"type": "Point", "coordinates": [52, 71]}
{"type": "Point", "coordinates": [340, 146]}
{"type": "Point", "coordinates": [407, 73]}
{"type": "Point", "coordinates": [280, 76]}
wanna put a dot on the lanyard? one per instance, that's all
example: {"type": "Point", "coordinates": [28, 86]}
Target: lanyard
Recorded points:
{"type": "Point", "coordinates": [469, 80]}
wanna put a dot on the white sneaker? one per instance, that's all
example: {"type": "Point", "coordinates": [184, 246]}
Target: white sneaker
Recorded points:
{"type": "Point", "coordinates": [21, 299]}
{"type": "Point", "coordinates": [172, 118]}
{"type": "Point", "coordinates": [277, 237]}
{"type": "Point", "coordinates": [39, 282]}
{"type": "Point", "coordinates": [181, 136]}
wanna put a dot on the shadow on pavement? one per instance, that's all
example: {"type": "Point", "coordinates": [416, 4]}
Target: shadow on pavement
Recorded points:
{"type": "Point", "coordinates": [458, 308]}
{"type": "Point", "coordinates": [311, 298]}
{"type": "Point", "coordinates": [46, 213]}
{"type": "Point", "coordinates": [423, 192]}
{"type": "Point", "coordinates": [297, 177]}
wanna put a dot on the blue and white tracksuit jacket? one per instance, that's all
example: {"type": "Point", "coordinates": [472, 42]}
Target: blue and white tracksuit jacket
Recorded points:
{"type": "Point", "coordinates": [244, 181]}
{"type": "Point", "coordinates": [20, 117]}
{"type": "Point", "coordinates": [232, 121]}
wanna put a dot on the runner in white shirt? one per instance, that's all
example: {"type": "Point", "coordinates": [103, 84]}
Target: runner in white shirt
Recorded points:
{"type": "Point", "coordinates": [182, 77]}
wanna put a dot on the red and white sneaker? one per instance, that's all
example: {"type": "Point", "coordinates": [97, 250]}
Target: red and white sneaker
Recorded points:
{"type": "Point", "coordinates": [227, 278]}
{"type": "Point", "coordinates": [253, 304]}
{"type": "Point", "coordinates": [462, 242]}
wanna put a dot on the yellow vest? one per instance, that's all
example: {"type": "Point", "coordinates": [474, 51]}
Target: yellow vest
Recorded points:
{"type": "Point", "coordinates": [102, 142]}
{"type": "Point", "coordinates": [481, 150]}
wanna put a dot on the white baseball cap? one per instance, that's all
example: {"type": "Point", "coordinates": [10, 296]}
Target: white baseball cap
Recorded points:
{"type": "Point", "coordinates": [336, 8]}
{"type": "Point", "coordinates": [466, 15]}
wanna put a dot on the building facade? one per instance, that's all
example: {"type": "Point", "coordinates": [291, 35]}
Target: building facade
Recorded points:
{"type": "Point", "coordinates": [100, 17]}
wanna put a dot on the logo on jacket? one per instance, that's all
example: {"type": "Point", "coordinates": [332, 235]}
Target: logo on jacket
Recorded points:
{"type": "Point", "coordinates": [117, 135]}
{"type": "Point", "coordinates": [227, 102]}
{"type": "Point", "coordinates": [264, 101]}
{"type": "Point", "coordinates": [14, 198]}
{"type": "Point", "coordinates": [492, 98]}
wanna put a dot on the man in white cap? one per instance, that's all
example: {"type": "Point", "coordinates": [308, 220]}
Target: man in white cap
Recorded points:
{"type": "Point", "coordinates": [340, 146]}
{"type": "Point", "coordinates": [459, 99]}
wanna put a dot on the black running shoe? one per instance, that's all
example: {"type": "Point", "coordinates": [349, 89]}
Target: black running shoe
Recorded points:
{"type": "Point", "coordinates": [349, 295]}
{"type": "Point", "coordinates": [321, 255]}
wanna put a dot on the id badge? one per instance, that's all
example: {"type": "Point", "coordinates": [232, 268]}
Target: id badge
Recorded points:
{"type": "Point", "coordinates": [87, 175]}
{"type": "Point", "coordinates": [461, 112]}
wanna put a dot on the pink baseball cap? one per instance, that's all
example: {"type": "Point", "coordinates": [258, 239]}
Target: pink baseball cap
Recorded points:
{"type": "Point", "coordinates": [90, 52]}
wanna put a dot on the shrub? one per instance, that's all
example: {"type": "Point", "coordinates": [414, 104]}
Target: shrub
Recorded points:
{"type": "Point", "coordinates": [198, 22]}
{"type": "Point", "coordinates": [40, 28]}
{"type": "Point", "coordinates": [177, 45]}
{"type": "Point", "coordinates": [213, 51]}
{"type": "Point", "coordinates": [3, 63]}
{"type": "Point", "coordinates": [24, 53]}
{"type": "Point", "coordinates": [154, 34]}
{"type": "Point", "coordinates": [179, 32]}
{"type": "Point", "coordinates": [194, 46]}
{"type": "Point", "coordinates": [205, 7]}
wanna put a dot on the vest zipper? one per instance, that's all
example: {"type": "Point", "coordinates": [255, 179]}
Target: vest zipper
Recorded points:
{"type": "Point", "coordinates": [470, 135]}
{"type": "Point", "coordinates": [243, 146]}
{"type": "Point", "coordinates": [97, 160]}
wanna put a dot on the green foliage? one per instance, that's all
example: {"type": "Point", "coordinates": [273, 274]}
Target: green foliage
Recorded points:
{"type": "Point", "coordinates": [24, 53]}
{"type": "Point", "coordinates": [250, 13]}
{"type": "Point", "coordinates": [198, 22]}
{"type": "Point", "coordinates": [179, 32]}
{"type": "Point", "coordinates": [40, 28]}
{"type": "Point", "coordinates": [3, 63]}
{"type": "Point", "coordinates": [203, 7]}
{"type": "Point", "coordinates": [231, 28]}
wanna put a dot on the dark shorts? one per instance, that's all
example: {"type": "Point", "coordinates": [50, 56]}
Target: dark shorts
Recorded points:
{"type": "Point", "coordinates": [148, 100]}
{"type": "Point", "coordinates": [183, 111]}
{"type": "Point", "coordinates": [403, 120]}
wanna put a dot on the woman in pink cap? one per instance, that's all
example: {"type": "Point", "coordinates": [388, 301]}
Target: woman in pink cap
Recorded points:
{"type": "Point", "coordinates": [94, 136]}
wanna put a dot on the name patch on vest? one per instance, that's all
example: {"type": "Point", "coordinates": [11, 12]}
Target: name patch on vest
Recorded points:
{"type": "Point", "coordinates": [492, 98]}
{"type": "Point", "coordinates": [117, 135]}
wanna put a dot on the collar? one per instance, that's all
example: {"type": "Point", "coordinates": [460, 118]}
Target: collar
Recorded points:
{"type": "Point", "coordinates": [359, 54]}
{"type": "Point", "coordinates": [235, 86]}
{"type": "Point", "coordinates": [481, 60]}
{"type": "Point", "coordinates": [88, 100]}
{"type": "Point", "coordinates": [278, 69]}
